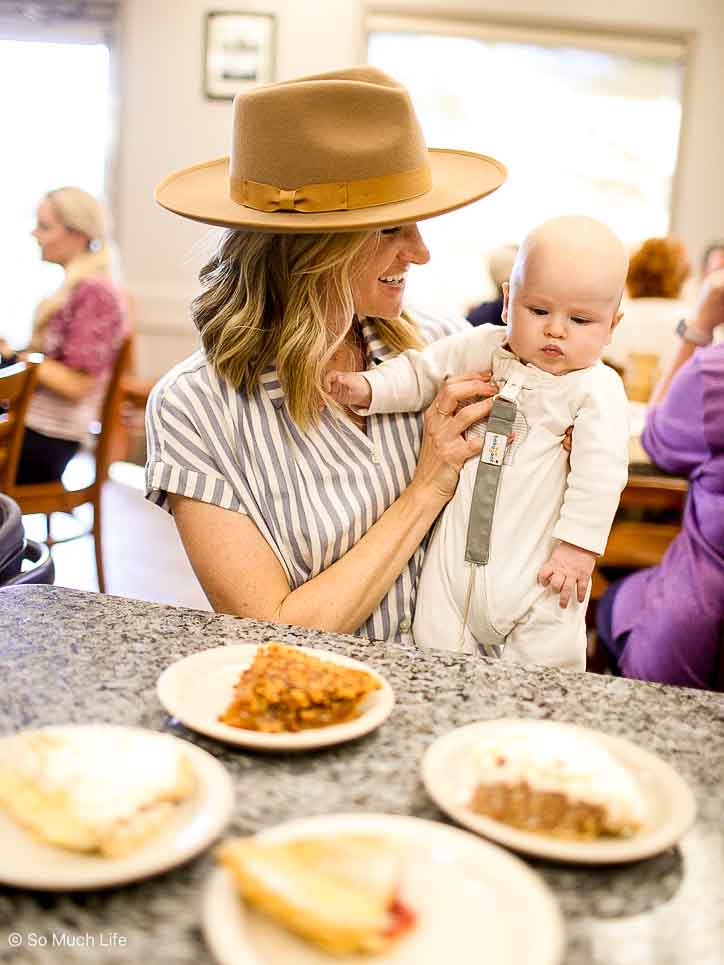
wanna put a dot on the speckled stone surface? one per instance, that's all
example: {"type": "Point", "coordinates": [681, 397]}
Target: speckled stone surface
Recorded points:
{"type": "Point", "coordinates": [67, 657]}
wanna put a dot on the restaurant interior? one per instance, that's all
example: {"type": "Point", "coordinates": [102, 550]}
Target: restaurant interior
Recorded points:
{"type": "Point", "coordinates": [226, 733]}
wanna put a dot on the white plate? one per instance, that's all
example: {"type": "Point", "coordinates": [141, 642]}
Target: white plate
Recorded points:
{"type": "Point", "coordinates": [448, 775]}
{"type": "Point", "coordinates": [198, 688]}
{"type": "Point", "coordinates": [474, 903]}
{"type": "Point", "coordinates": [28, 863]}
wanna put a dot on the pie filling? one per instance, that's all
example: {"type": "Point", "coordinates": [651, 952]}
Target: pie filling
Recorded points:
{"type": "Point", "coordinates": [286, 689]}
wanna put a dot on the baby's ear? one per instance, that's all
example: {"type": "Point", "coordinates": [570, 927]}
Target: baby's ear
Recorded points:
{"type": "Point", "coordinates": [616, 319]}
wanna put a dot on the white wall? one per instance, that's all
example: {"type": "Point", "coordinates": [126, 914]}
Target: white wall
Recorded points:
{"type": "Point", "coordinates": [167, 123]}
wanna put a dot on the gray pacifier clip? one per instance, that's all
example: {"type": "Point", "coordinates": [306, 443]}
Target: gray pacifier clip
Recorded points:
{"type": "Point", "coordinates": [487, 478]}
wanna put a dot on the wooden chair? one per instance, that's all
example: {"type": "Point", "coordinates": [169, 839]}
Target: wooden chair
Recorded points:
{"type": "Point", "coordinates": [53, 497]}
{"type": "Point", "coordinates": [17, 383]}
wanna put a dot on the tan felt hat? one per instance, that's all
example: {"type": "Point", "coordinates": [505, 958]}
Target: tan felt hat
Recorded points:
{"type": "Point", "coordinates": [341, 151]}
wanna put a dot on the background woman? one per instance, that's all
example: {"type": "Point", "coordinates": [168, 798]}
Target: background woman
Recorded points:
{"type": "Point", "coordinates": [666, 623]}
{"type": "Point", "coordinates": [78, 329]}
{"type": "Point", "coordinates": [657, 272]}
{"type": "Point", "coordinates": [289, 508]}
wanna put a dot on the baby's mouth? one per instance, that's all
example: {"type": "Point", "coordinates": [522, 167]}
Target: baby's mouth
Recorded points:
{"type": "Point", "coordinates": [552, 350]}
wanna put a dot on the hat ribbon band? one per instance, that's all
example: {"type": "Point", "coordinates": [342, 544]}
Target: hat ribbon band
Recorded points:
{"type": "Point", "coordinates": [334, 196]}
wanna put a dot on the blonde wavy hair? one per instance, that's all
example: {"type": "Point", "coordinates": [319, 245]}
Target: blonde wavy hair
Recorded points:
{"type": "Point", "coordinates": [657, 269]}
{"type": "Point", "coordinates": [77, 211]}
{"type": "Point", "coordinates": [285, 300]}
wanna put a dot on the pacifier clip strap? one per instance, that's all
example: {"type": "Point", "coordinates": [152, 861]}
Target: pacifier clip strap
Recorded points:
{"type": "Point", "coordinates": [500, 425]}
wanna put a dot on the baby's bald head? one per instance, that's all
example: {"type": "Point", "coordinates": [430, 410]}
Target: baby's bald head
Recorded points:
{"type": "Point", "coordinates": [565, 293]}
{"type": "Point", "coordinates": [587, 246]}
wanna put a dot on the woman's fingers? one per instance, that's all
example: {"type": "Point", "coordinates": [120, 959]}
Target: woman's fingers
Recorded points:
{"type": "Point", "coordinates": [462, 401]}
{"type": "Point", "coordinates": [459, 389]}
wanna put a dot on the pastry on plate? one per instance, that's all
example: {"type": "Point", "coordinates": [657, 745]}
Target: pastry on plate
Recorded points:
{"type": "Point", "coordinates": [286, 689]}
{"type": "Point", "coordinates": [342, 893]}
{"type": "Point", "coordinates": [95, 788]}
{"type": "Point", "coordinates": [557, 781]}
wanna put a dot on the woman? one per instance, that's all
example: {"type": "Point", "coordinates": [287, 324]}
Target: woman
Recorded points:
{"type": "Point", "coordinates": [290, 509]}
{"type": "Point", "coordinates": [666, 623]}
{"type": "Point", "coordinates": [657, 272]}
{"type": "Point", "coordinates": [78, 329]}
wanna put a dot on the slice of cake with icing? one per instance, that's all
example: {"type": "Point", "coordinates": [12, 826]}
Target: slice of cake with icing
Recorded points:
{"type": "Point", "coordinates": [93, 788]}
{"type": "Point", "coordinates": [554, 780]}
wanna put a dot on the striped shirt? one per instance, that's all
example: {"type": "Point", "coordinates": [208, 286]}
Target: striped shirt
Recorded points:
{"type": "Point", "coordinates": [311, 494]}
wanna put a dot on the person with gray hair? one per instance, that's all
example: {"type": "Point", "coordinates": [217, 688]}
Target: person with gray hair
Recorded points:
{"type": "Point", "coordinates": [78, 329]}
{"type": "Point", "coordinates": [500, 265]}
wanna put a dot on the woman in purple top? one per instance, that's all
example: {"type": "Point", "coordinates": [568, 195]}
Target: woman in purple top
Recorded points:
{"type": "Point", "coordinates": [666, 624]}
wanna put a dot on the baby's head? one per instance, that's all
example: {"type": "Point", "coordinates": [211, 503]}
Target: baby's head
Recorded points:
{"type": "Point", "coordinates": [562, 304]}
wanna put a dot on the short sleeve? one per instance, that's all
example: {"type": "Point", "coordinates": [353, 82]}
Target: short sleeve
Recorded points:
{"type": "Point", "coordinates": [182, 457]}
{"type": "Point", "coordinates": [94, 327]}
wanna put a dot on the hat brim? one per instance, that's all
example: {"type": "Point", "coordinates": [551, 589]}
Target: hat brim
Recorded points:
{"type": "Point", "coordinates": [201, 193]}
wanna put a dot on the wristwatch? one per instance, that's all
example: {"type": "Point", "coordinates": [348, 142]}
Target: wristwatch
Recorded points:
{"type": "Point", "coordinates": [692, 334]}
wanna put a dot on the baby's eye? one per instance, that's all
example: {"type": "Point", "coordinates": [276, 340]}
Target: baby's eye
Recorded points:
{"type": "Point", "coordinates": [580, 321]}
{"type": "Point", "coordinates": [391, 231]}
{"type": "Point", "coordinates": [538, 311]}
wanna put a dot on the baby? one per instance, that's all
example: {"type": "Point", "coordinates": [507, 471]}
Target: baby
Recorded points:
{"type": "Point", "coordinates": [509, 552]}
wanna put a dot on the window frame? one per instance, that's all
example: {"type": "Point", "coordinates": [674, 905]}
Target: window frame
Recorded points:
{"type": "Point", "coordinates": [669, 45]}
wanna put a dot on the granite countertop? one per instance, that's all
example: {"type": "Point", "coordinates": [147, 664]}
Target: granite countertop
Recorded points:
{"type": "Point", "coordinates": [67, 656]}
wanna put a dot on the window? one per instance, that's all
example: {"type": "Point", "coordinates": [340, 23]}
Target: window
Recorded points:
{"type": "Point", "coordinates": [56, 107]}
{"type": "Point", "coordinates": [585, 123]}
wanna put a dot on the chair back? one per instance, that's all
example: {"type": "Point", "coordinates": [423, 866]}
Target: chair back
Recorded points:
{"type": "Point", "coordinates": [109, 411]}
{"type": "Point", "coordinates": [17, 383]}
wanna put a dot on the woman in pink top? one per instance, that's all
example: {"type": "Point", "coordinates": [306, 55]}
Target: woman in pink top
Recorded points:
{"type": "Point", "coordinates": [78, 329]}
{"type": "Point", "coordinates": [666, 624]}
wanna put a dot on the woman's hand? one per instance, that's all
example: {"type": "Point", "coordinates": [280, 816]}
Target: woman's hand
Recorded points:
{"type": "Point", "coordinates": [708, 314]}
{"type": "Point", "coordinates": [444, 446]}
{"type": "Point", "coordinates": [709, 305]}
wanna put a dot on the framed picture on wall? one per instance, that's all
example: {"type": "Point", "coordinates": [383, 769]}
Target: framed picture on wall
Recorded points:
{"type": "Point", "coordinates": [239, 51]}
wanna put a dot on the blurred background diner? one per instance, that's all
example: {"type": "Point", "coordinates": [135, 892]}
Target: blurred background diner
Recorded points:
{"type": "Point", "coordinates": [500, 264]}
{"type": "Point", "coordinates": [644, 344]}
{"type": "Point", "coordinates": [614, 108]}
{"type": "Point", "coordinates": [78, 330]}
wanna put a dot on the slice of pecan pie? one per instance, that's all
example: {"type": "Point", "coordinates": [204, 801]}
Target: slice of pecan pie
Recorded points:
{"type": "Point", "coordinates": [286, 689]}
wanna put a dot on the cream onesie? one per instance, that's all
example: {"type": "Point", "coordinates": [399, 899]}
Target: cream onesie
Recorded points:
{"type": "Point", "coordinates": [540, 499]}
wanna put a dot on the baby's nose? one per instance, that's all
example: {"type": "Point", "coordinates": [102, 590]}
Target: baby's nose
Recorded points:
{"type": "Point", "coordinates": [555, 325]}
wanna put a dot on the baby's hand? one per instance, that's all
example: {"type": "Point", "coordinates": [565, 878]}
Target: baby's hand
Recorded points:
{"type": "Point", "coordinates": [349, 388]}
{"type": "Point", "coordinates": [568, 568]}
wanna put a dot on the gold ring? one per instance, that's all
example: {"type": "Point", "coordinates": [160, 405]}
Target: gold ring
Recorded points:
{"type": "Point", "coordinates": [441, 411]}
